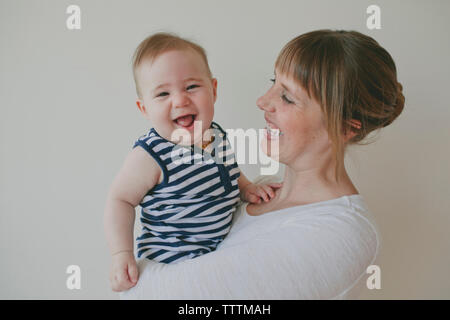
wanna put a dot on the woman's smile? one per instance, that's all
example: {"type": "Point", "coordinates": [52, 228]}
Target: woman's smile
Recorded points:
{"type": "Point", "coordinates": [272, 132]}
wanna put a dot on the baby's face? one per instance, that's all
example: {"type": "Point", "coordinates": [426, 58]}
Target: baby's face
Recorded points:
{"type": "Point", "coordinates": [176, 91]}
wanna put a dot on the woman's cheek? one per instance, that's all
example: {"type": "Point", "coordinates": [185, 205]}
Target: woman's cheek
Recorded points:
{"type": "Point", "coordinates": [298, 126]}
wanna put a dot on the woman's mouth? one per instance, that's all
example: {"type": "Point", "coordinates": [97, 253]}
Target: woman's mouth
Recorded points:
{"type": "Point", "coordinates": [272, 132]}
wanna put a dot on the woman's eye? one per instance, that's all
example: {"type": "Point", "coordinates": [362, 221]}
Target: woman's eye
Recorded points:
{"type": "Point", "coordinates": [192, 86]}
{"type": "Point", "coordinates": [273, 80]}
{"type": "Point", "coordinates": [162, 94]}
{"type": "Point", "coordinates": [283, 96]}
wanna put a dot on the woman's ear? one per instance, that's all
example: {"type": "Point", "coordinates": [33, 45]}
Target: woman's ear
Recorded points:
{"type": "Point", "coordinates": [355, 125]}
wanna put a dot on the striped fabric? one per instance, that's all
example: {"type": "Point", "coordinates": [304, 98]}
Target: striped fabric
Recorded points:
{"type": "Point", "coordinates": [190, 212]}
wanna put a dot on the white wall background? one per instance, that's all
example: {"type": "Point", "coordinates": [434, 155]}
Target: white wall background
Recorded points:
{"type": "Point", "coordinates": [68, 118]}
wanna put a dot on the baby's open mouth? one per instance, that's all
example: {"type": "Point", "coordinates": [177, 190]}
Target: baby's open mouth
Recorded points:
{"type": "Point", "coordinates": [186, 121]}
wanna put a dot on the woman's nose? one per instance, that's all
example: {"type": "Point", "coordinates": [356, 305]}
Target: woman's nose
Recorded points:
{"type": "Point", "coordinates": [264, 103]}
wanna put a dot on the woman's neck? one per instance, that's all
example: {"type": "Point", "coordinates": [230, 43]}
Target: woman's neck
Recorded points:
{"type": "Point", "coordinates": [309, 184]}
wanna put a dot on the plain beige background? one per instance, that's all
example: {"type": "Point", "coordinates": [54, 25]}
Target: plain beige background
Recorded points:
{"type": "Point", "coordinates": [68, 119]}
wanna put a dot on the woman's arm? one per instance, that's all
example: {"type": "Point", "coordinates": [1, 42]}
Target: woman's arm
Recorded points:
{"type": "Point", "coordinates": [300, 258]}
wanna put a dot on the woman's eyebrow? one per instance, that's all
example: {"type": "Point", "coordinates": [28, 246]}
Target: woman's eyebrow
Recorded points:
{"type": "Point", "coordinates": [284, 86]}
{"type": "Point", "coordinates": [297, 95]}
{"type": "Point", "coordinates": [287, 89]}
{"type": "Point", "coordinates": [290, 91]}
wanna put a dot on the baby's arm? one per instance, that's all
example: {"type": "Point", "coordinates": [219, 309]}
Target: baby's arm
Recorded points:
{"type": "Point", "coordinates": [253, 193]}
{"type": "Point", "coordinates": [139, 173]}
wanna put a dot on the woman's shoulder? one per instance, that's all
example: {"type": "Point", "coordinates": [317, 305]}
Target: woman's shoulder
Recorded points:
{"type": "Point", "coordinates": [338, 238]}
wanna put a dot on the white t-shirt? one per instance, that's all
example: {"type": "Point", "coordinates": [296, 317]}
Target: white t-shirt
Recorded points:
{"type": "Point", "coordinates": [314, 251]}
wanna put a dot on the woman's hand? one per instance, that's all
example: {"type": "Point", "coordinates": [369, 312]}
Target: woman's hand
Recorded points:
{"type": "Point", "coordinates": [124, 272]}
{"type": "Point", "coordinates": [255, 193]}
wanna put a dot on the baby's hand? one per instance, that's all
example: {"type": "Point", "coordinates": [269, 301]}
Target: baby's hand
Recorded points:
{"type": "Point", "coordinates": [253, 193]}
{"type": "Point", "coordinates": [124, 272]}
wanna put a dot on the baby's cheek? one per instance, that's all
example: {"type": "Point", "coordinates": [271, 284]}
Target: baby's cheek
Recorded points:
{"type": "Point", "coordinates": [207, 114]}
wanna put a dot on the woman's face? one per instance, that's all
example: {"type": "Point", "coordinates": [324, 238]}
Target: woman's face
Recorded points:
{"type": "Point", "coordinates": [295, 124]}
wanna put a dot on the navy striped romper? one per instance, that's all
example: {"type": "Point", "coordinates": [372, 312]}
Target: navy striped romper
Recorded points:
{"type": "Point", "coordinates": [190, 212]}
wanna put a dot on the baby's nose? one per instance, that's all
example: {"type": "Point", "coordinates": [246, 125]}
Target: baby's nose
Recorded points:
{"type": "Point", "coordinates": [181, 100]}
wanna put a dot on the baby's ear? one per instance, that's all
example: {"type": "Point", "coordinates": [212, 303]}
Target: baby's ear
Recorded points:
{"type": "Point", "coordinates": [214, 86]}
{"type": "Point", "coordinates": [141, 107]}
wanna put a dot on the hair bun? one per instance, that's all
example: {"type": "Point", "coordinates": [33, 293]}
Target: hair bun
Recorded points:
{"type": "Point", "coordinates": [398, 106]}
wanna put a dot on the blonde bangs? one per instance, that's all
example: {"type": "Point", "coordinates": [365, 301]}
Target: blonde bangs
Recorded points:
{"type": "Point", "coordinates": [298, 64]}
{"type": "Point", "coordinates": [312, 65]}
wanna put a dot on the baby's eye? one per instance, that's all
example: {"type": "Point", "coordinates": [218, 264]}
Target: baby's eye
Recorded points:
{"type": "Point", "coordinates": [162, 94]}
{"type": "Point", "coordinates": [193, 86]}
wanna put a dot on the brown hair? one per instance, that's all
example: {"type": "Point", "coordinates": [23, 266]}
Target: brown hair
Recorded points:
{"type": "Point", "coordinates": [158, 43]}
{"type": "Point", "coordinates": [351, 76]}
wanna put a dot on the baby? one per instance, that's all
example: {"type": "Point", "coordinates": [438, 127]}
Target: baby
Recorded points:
{"type": "Point", "coordinates": [182, 173]}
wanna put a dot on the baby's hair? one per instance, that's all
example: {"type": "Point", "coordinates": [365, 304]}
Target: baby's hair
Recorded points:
{"type": "Point", "coordinates": [161, 42]}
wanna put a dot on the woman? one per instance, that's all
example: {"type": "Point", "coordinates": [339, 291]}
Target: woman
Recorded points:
{"type": "Point", "coordinates": [315, 238]}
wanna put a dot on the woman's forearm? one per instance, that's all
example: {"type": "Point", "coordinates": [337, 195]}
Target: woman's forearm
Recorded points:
{"type": "Point", "coordinates": [119, 225]}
